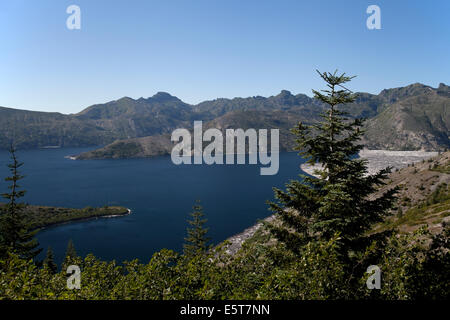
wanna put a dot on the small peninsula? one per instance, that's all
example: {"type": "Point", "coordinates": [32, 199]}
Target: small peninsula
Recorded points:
{"type": "Point", "coordinates": [42, 216]}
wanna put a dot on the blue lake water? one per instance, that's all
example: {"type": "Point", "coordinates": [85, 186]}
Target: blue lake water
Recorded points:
{"type": "Point", "coordinates": [159, 193]}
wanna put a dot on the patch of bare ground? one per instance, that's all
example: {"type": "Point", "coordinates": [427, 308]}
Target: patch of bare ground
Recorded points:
{"type": "Point", "coordinates": [423, 197]}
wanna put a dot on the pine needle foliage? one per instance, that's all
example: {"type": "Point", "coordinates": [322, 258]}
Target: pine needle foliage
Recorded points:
{"type": "Point", "coordinates": [338, 200]}
{"type": "Point", "coordinates": [16, 235]}
{"type": "Point", "coordinates": [196, 241]}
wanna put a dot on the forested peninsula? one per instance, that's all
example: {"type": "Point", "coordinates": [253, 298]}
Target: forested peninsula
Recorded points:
{"type": "Point", "coordinates": [40, 217]}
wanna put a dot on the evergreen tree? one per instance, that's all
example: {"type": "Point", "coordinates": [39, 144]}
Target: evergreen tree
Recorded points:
{"type": "Point", "coordinates": [49, 262]}
{"type": "Point", "coordinates": [16, 233]}
{"type": "Point", "coordinates": [71, 253]}
{"type": "Point", "coordinates": [196, 240]}
{"type": "Point", "coordinates": [338, 200]}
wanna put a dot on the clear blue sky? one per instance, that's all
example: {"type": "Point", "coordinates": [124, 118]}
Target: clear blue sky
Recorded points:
{"type": "Point", "coordinates": [204, 49]}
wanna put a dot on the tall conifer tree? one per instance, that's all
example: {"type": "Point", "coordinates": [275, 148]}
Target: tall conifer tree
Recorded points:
{"type": "Point", "coordinates": [49, 262]}
{"type": "Point", "coordinates": [339, 199]}
{"type": "Point", "coordinates": [196, 240]}
{"type": "Point", "coordinates": [71, 253]}
{"type": "Point", "coordinates": [16, 233]}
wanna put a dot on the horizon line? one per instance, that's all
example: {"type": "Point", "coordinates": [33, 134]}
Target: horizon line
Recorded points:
{"type": "Point", "coordinates": [226, 98]}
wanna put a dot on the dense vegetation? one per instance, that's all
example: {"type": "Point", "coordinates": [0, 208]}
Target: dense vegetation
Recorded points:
{"type": "Point", "coordinates": [318, 247]}
{"type": "Point", "coordinates": [412, 269]}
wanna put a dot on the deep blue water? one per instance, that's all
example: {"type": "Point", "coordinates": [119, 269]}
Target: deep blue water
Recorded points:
{"type": "Point", "coordinates": [159, 193]}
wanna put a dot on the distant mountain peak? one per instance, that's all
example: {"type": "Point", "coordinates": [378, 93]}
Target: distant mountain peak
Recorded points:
{"type": "Point", "coordinates": [285, 97]}
{"type": "Point", "coordinates": [395, 94]}
{"type": "Point", "coordinates": [163, 97]}
{"type": "Point", "coordinates": [125, 99]}
{"type": "Point", "coordinates": [285, 93]}
{"type": "Point", "coordinates": [404, 88]}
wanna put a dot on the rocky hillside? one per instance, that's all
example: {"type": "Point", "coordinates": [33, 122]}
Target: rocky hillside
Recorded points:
{"type": "Point", "coordinates": [418, 118]}
{"type": "Point", "coordinates": [412, 117]}
{"type": "Point", "coordinates": [161, 144]}
{"type": "Point", "coordinates": [97, 125]}
{"type": "Point", "coordinates": [29, 129]}
{"type": "Point", "coordinates": [129, 118]}
{"type": "Point", "coordinates": [415, 117]}
{"type": "Point", "coordinates": [423, 196]}
{"type": "Point", "coordinates": [131, 148]}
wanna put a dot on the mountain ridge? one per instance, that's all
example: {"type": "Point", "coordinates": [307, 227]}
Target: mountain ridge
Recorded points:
{"type": "Point", "coordinates": [128, 118]}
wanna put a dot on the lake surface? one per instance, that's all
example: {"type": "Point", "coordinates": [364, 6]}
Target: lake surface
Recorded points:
{"type": "Point", "coordinates": [159, 193]}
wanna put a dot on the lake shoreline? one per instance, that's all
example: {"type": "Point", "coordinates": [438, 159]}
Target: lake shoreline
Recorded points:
{"type": "Point", "coordinates": [84, 219]}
